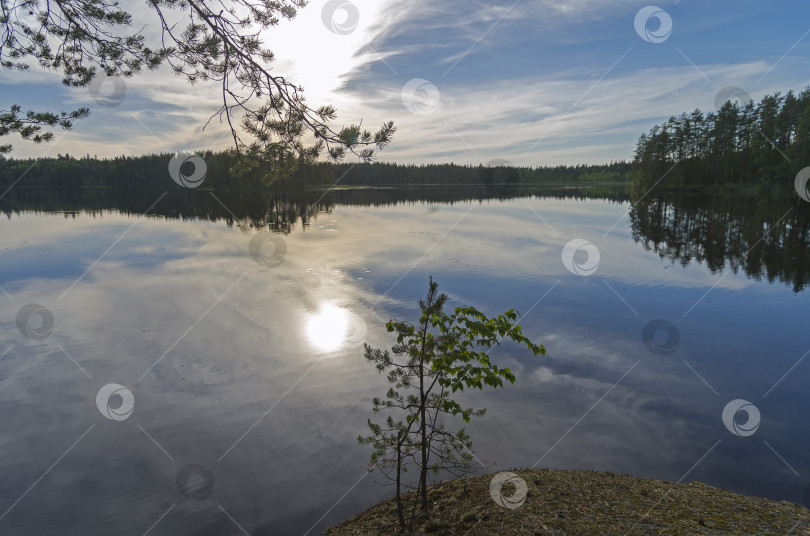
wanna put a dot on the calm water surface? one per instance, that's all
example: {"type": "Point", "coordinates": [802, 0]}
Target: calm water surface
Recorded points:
{"type": "Point", "coordinates": [245, 367]}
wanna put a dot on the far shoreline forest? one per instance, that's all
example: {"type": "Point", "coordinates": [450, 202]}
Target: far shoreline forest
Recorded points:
{"type": "Point", "coordinates": [742, 144]}
{"type": "Point", "coordinates": [150, 172]}
{"type": "Point", "coordinates": [748, 148]}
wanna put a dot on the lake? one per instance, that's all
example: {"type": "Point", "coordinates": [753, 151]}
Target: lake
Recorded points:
{"type": "Point", "coordinates": [192, 363]}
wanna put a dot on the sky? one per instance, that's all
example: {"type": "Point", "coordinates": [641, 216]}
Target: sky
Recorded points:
{"type": "Point", "coordinates": [532, 82]}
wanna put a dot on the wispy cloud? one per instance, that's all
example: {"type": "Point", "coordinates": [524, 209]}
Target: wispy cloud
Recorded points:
{"type": "Point", "coordinates": [504, 118]}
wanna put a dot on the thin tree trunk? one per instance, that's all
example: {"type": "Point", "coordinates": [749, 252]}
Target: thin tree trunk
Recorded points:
{"type": "Point", "coordinates": [399, 473]}
{"type": "Point", "coordinates": [422, 404]}
{"type": "Point", "coordinates": [423, 424]}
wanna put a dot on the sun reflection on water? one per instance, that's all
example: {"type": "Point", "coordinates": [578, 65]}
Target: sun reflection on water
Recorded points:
{"type": "Point", "coordinates": [327, 329]}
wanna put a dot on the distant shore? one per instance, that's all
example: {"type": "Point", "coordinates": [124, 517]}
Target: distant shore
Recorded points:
{"type": "Point", "coordinates": [574, 502]}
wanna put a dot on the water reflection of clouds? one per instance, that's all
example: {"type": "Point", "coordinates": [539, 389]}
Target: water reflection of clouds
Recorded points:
{"type": "Point", "coordinates": [245, 354]}
{"type": "Point", "coordinates": [503, 239]}
{"type": "Point", "coordinates": [241, 357]}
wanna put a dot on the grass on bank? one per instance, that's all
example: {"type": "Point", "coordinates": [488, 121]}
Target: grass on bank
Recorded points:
{"type": "Point", "coordinates": [579, 502]}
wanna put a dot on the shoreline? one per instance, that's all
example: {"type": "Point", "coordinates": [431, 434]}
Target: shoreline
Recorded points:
{"type": "Point", "coordinates": [563, 502]}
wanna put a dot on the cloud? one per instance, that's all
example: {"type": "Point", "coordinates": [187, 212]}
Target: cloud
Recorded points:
{"type": "Point", "coordinates": [537, 121]}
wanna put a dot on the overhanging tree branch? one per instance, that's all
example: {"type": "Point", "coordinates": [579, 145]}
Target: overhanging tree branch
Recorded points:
{"type": "Point", "coordinates": [211, 41]}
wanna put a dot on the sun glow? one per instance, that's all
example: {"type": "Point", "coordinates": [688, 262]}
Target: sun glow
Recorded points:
{"type": "Point", "coordinates": [327, 329]}
{"type": "Point", "coordinates": [312, 56]}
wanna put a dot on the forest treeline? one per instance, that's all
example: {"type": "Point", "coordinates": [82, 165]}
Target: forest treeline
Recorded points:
{"type": "Point", "coordinates": [151, 173]}
{"type": "Point", "coordinates": [763, 143]}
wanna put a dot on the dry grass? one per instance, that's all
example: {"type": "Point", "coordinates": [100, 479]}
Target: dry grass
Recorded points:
{"type": "Point", "coordinates": [586, 502]}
